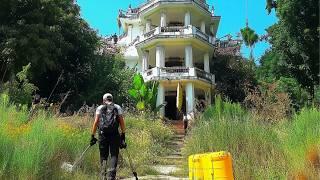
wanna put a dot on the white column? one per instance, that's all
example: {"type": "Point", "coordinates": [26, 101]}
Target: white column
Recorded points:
{"type": "Point", "coordinates": [190, 97]}
{"type": "Point", "coordinates": [160, 56]}
{"type": "Point", "coordinates": [148, 25]}
{"type": "Point", "coordinates": [163, 19]}
{"type": "Point", "coordinates": [130, 32]}
{"type": "Point", "coordinates": [145, 61]}
{"type": "Point", "coordinates": [206, 62]}
{"type": "Point", "coordinates": [208, 97]}
{"type": "Point", "coordinates": [160, 98]}
{"type": "Point", "coordinates": [187, 19]}
{"type": "Point", "coordinates": [203, 26]}
{"type": "Point", "coordinates": [211, 29]}
{"type": "Point", "coordinates": [188, 56]}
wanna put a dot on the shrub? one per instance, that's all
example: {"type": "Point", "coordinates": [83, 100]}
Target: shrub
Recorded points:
{"type": "Point", "coordinates": [20, 90]}
{"type": "Point", "coordinates": [268, 104]}
{"type": "Point", "coordinates": [144, 94]}
{"type": "Point", "coordinates": [297, 94]}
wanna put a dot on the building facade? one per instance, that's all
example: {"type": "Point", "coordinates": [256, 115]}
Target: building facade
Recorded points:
{"type": "Point", "coordinates": [172, 42]}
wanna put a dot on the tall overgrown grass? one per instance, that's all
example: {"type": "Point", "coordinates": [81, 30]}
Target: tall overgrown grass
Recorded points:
{"type": "Point", "coordinates": [260, 150]}
{"type": "Point", "coordinates": [36, 149]}
{"type": "Point", "coordinates": [302, 144]}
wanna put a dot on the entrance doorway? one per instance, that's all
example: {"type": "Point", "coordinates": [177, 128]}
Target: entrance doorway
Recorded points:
{"type": "Point", "coordinates": [171, 111]}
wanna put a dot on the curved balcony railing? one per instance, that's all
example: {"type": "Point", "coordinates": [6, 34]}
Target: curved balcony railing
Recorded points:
{"type": "Point", "coordinates": [134, 13]}
{"type": "Point", "coordinates": [177, 31]}
{"type": "Point", "coordinates": [178, 73]}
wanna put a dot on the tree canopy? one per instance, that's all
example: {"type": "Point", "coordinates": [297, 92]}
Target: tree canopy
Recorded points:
{"type": "Point", "coordinates": [51, 35]}
{"type": "Point", "coordinates": [250, 38]}
{"type": "Point", "coordinates": [295, 42]}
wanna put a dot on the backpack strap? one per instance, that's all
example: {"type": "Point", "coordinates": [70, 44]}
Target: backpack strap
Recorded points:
{"type": "Point", "coordinates": [115, 109]}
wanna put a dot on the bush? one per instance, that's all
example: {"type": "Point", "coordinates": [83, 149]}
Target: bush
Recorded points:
{"type": "Point", "coordinates": [268, 104]}
{"type": "Point", "coordinates": [20, 90]}
{"type": "Point", "coordinates": [297, 94]}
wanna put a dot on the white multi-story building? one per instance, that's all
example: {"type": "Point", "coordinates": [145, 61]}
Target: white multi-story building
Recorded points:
{"type": "Point", "coordinates": [172, 41]}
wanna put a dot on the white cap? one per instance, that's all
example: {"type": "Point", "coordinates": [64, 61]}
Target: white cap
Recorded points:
{"type": "Point", "coordinates": [107, 98]}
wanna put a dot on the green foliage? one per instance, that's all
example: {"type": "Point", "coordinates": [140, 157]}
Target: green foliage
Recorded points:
{"type": "Point", "coordinates": [52, 36]}
{"type": "Point", "coordinates": [250, 38]}
{"type": "Point", "coordinates": [234, 75]}
{"type": "Point", "coordinates": [108, 74]}
{"type": "Point", "coordinates": [270, 5]}
{"type": "Point", "coordinates": [144, 94]}
{"type": "Point", "coordinates": [295, 40]}
{"type": "Point", "coordinates": [272, 70]}
{"type": "Point", "coordinates": [271, 67]}
{"type": "Point", "coordinates": [298, 95]}
{"type": "Point", "coordinates": [222, 108]}
{"type": "Point", "coordinates": [20, 90]}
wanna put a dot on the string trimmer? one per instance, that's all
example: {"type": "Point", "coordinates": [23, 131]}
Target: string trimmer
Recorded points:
{"type": "Point", "coordinates": [130, 164]}
{"type": "Point", "coordinates": [71, 167]}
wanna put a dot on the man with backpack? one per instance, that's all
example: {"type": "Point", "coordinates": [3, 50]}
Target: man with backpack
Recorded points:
{"type": "Point", "coordinates": [107, 119]}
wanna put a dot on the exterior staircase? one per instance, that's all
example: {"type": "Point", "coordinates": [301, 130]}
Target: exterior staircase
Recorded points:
{"type": "Point", "coordinates": [174, 160]}
{"type": "Point", "coordinates": [176, 143]}
{"type": "Point", "coordinates": [172, 163]}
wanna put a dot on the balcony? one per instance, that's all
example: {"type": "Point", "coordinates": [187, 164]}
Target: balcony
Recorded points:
{"type": "Point", "coordinates": [134, 13]}
{"type": "Point", "coordinates": [177, 32]}
{"type": "Point", "coordinates": [178, 73]}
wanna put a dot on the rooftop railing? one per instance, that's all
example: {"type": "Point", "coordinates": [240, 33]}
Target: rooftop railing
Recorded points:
{"type": "Point", "coordinates": [134, 13]}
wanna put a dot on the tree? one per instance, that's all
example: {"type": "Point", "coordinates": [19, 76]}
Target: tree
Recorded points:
{"type": "Point", "coordinates": [250, 38]}
{"type": "Point", "coordinates": [234, 75]}
{"type": "Point", "coordinates": [271, 68]}
{"type": "Point", "coordinates": [295, 40]}
{"type": "Point", "coordinates": [270, 5]}
{"type": "Point", "coordinates": [57, 41]}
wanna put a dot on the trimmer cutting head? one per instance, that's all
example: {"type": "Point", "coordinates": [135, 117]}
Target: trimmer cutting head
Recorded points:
{"type": "Point", "coordinates": [135, 175]}
{"type": "Point", "coordinates": [68, 167]}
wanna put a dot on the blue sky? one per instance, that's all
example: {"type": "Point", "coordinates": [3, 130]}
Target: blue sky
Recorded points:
{"type": "Point", "coordinates": [102, 16]}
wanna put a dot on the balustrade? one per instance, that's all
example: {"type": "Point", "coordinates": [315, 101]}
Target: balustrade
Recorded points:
{"type": "Point", "coordinates": [180, 31]}
{"type": "Point", "coordinates": [178, 73]}
{"type": "Point", "coordinates": [134, 13]}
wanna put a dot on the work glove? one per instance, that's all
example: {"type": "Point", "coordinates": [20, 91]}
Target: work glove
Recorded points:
{"type": "Point", "coordinates": [93, 140]}
{"type": "Point", "coordinates": [123, 144]}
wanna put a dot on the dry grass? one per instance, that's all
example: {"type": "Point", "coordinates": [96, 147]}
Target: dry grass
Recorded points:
{"type": "Point", "coordinates": [268, 104]}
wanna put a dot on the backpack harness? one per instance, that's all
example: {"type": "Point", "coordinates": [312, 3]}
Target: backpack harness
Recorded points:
{"type": "Point", "coordinates": [109, 120]}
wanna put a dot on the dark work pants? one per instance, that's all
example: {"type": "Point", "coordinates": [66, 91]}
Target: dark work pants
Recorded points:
{"type": "Point", "coordinates": [109, 143]}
